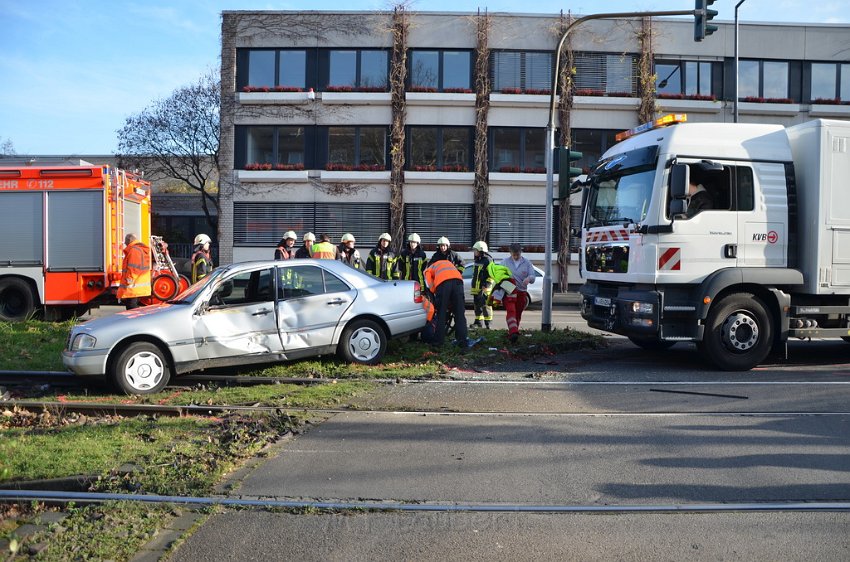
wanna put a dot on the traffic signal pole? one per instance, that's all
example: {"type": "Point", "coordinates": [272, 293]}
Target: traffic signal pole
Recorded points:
{"type": "Point", "coordinates": [546, 321]}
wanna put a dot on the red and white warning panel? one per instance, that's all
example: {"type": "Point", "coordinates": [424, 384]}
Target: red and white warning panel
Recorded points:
{"type": "Point", "coordinates": [670, 260]}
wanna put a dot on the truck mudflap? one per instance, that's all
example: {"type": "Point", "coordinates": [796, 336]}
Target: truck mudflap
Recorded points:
{"type": "Point", "coordinates": [634, 313]}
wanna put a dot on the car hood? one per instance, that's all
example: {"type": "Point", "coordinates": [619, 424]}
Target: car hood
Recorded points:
{"type": "Point", "coordinates": [153, 319]}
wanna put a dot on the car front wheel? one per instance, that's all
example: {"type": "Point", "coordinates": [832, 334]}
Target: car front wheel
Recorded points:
{"type": "Point", "coordinates": [364, 342]}
{"type": "Point", "coordinates": [140, 368]}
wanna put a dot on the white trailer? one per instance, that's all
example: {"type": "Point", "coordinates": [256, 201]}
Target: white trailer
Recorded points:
{"type": "Point", "coordinates": [768, 260]}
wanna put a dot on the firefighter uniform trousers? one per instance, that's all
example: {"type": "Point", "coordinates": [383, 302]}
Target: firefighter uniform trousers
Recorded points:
{"type": "Point", "coordinates": [514, 304]}
{"type": "Point", "coordinates": [450, 294]}
{"type": "Point", "coordinates": [483, 311]}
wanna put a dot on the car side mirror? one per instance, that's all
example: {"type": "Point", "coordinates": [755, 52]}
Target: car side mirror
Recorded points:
{"type": "Point", "coordinates": [680, 175]}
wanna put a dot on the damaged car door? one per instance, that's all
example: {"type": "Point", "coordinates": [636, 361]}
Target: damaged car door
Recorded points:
{"type": "Point", "coordinates": [311, 303]}
{"type": "Point", "coordinates": [237, 324]}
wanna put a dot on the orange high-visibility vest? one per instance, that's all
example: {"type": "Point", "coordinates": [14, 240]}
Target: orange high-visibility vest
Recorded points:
{"type": "Point", "coordinates": [439, 271]}
{"type": "Point", "coordinates": [135, 272]}
{"type": "Point", "coordinates": [429, 309]}
{"type": "Point", "coordinates": [324, 251]}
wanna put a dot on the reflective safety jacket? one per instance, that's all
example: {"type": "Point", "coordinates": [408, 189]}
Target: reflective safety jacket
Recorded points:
{"type": "Point", "coordinates": [135, 272]}
{"type": "Point", "coordinates": [201, 265]}
{"type": "Point", "coordinates": [411, 265]}
{"type": "Point", "coordinates": [284, 253]}
{"type": "Point", "coordinates": [480, 276]}
{"type": "Point", "coordinates": [439, 272]}
{"type": "Point", "coordinates": [381, 263]}
{"type": "Point", "coordinates": [352, 258]}
{"type": "Point", "coordinates": [324, 251]}
{"type": "Point", "coordinates": [429, 307]}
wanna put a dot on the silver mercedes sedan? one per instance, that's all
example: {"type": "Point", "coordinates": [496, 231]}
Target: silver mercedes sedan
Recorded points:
{"type": "Point", "coordinates": [253, 312]}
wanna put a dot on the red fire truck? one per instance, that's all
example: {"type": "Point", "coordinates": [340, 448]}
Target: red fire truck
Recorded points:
{"type": "Point", "coordinates": [61, 239]}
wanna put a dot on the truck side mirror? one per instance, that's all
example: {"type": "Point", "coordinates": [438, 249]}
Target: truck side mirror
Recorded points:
{"type": "Point", "coordinates": [679, 179]}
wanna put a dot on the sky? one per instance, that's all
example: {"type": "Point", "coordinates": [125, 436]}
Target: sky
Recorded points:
{"type": "Point", "coordinates": [72, 71]}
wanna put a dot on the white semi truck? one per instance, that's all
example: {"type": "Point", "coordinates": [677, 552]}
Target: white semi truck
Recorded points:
{"type": "Point", "coordinates": [767, 259]}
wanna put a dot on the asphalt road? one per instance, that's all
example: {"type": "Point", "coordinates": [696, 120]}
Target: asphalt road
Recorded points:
{"type": "Point", "coordinates": [616, 429]}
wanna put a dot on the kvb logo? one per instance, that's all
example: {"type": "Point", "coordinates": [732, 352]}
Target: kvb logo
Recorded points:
{"type": "Point", "coordinates": [770, 237]}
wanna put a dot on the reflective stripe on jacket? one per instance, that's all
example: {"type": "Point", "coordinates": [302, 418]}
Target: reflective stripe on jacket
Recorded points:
{"type": "Point", "coordinates": [324, 251]}
{"type": "Point", "coordinates": [201, 266]}
{"type": "Point", "coordinates": [411, 265]}
{"type": "Point", "coordinates": [135, 272]}
{"type": "Point", "coordinates": [381, 264]}
{"type": "Point", "coordinates": [438, 272]}
{"type": "Point", "coordinates": [479, 274]}
{"type": "Point", "coordinates": [430, 310]}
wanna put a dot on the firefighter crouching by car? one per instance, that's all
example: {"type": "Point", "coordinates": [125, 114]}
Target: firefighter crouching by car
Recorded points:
{"type": "Point", "coordinates": [427, 333]}
{"type": "Point", "coordinates": [286, 247]}
{"type": "Point", "coordinates": [446, 283]}
{"type": "Point", "coordinates": [348, 253]}
{"type": "Point", "coordinates": [381, 262]}
{"type": "Point", "coordinates": [304, 251]}
{"type": "Point", "coordinates": [135, 272]}
{"type": "Point", "coordinates": [202, 264]}
{"type": "Point", "coordinates": [481, 286]}
{"type": "Point", "coordinates": [444, 252]}
{"type": "Point", "coordinates": [411, 262]}
{"type": "Point", "coordinates": [324, 250]}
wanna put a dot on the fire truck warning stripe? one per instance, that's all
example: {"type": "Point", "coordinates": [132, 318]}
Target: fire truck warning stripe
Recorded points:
{"type": "Point", "coordinates": [671, 259]}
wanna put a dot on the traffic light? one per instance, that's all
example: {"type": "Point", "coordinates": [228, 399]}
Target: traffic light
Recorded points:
{"type": "Point", "coordinates": [567, 172]}
{"type": "Point", "coordinates": [702, 15]}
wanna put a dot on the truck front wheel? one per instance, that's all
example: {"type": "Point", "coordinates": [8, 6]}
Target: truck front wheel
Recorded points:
{"type": "Point", "coordinates": [17, 302]}
{"type": "Point", "coordinates": [738, 333]}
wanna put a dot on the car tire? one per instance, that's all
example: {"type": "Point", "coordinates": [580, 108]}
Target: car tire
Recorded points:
{"type": "Point", "coordinates": [738, 333]}
{"type": "Point", "coordinates": [363, 342]}
{"type": "Point", "coordinates": [17, 302]}
{"type": "Point", "coordinates": [139, 368]}
{"type": "Point", "coordinates": [651, 344]}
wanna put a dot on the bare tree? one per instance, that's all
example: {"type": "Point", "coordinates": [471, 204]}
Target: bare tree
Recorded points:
{"type": "Point", "coordinates": [6, 147]}
{"type": "Point", "coordinates": [177, 138]}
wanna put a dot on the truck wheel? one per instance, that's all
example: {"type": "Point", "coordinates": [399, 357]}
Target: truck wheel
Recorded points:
{"type": "Point", "coordinates": [738, 333]}
{"type": "Point", "coordinates": [364, 342]}
{"type": "Point", "coordinates": [140, 368]}
{"type": "Point", "coordinates": [17, 302]}
{"type": "Point", "coordinates": [651, 344]}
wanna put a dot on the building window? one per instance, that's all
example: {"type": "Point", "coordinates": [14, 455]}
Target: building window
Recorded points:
{"type": "Point", "coordinates": [261, 223]}
{"type": "Point", "coordinates": [357, 70]}
{"type": "Point", "coordinates": [600, 74]}
{"type": "Point", "coordinates": [515, 72]}
{"type": "Point", "coordinates": [524, 224]}
{"type": "Point", "coordinates": [271, 148]}
{"type": "Point", "coordinates": [518, 149]}
{"type": "Point", "coordinates": [357, 148]}
{"type": "Point", "coordinates": [266, 70]}
{"type": "Point", "coordinates": [433, 220]}
{"type": "Point", "coordinates": [592, 143]}
{"type": "Point", "coordinates": [830, 83]}
{"type": "Point", "coordinates": [446, 149]}
{"type": "Point", "coordinates": [686, 79]}
{"type": "Point", "coordinates": [440, 71]}
{"type": "Point", "coordinates": [764, 81]}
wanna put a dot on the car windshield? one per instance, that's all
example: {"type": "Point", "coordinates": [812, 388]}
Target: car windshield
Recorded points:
{"type": "Point", "coordinates": [619, 198]}
{"type": "Point", "coordinates": [189, 295]}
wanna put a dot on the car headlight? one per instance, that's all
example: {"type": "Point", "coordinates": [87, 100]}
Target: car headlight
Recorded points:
{"type": "Point", "coordinates": [83, 341]}
{"type": "Point", "coordinates": [642, 307]}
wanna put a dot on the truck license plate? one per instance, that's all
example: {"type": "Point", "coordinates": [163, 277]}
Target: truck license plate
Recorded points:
{"type": "Point", "coordinates": [602, 301]}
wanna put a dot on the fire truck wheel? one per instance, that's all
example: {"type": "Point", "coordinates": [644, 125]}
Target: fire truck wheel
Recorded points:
{"type": "Point", "coordinates": [140, 368]}
{"type": "Point", "coordinates": [164, 287]}
{"type": "Point", "coordinates": [17, 302]}
{"type": "Point", "coordinates": [738, 333]}
{"type": "Point", "coordinates": [651, 344]}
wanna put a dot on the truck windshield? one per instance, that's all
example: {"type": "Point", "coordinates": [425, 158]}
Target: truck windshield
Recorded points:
{"type": "Point", "coordinates": [619, 198]}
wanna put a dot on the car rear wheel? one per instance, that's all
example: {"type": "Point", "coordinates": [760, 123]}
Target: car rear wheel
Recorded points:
{"type": "Point", "coordinates": [364, 342]}
{"type": "Point", "coordinates": [738, 333]}
{"type": "Point", "coordinates": [140, 368]}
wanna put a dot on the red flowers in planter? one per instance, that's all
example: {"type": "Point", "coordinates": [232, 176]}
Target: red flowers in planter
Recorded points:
{"type": "Point", "coordinates": [589, 92]}
{"type": "Point", "coordinates": [266, 89]}
{"type": "Point", "coordinates": [758, 99]}
{"type": "Point", "coordinates": [457, 90]}
{"type": "Point", "coordinates": [266, 166]}
{"type": "Point", "coordinates": [699, 97]}
{"type": "Point", "coordinates": [538, 91]}
{"type": "Point", "coordinates": [339, 167]}
{"type": "Point", "coordinates": [433, 168]}
{"type": "Point", "coordinates": [347, 88]}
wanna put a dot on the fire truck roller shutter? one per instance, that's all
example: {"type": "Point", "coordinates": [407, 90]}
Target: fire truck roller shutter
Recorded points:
{"type": "Point", "coordinates": [21, 229]}
{"type": "Point", "coordinates": [75, 237]}
{"type": "Point", "coordinates": [133, 220]}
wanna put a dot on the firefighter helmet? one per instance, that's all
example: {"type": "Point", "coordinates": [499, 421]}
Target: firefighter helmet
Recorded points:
{"type": "Point", "coordinates": [201, 239]}
{"type": "Point", "coordinates": [443, 240]}
{"type": "Point", "coordinates": [347, 237]}
{"type": "Point", "coordinates": [385, 236]}
{"type": "Point", "coordinates": [481, 246]}
{"type": "Point", "coordinates": [309, 236]}
{"type": "Point", "coordinates": [290, 234]}
{"type": "Point", "coordinates": [414, 238]}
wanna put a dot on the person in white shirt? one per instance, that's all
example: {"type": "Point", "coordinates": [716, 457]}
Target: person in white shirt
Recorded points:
{"type": "Point", "coordinates": [517, 301]}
